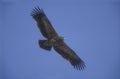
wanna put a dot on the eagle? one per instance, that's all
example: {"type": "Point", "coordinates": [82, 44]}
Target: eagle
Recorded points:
{"type": "Point", "coordinates": [53, 40]}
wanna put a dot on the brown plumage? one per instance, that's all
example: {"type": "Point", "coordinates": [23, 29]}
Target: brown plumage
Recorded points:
{"type": "Point", "coordinates": [54, 40]}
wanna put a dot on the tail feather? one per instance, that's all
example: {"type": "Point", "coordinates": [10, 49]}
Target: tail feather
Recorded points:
{"type": "Point", "coordinates": [43, 44]}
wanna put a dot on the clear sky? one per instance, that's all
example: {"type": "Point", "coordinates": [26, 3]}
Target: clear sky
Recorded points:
{"type": "Point", "coordinates": [90, 27]}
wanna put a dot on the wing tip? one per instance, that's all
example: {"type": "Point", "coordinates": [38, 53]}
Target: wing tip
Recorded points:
{"type": "Point", "coordinates": [37, 11]}
{"type": "Point", "coordinates": [79, 66]}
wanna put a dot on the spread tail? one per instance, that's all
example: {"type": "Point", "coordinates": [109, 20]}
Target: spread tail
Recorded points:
{"type": "Point", "coordinates": [45, 45]}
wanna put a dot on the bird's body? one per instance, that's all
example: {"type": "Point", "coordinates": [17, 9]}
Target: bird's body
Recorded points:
{"type": "Point", "coordinates": [54, 40]}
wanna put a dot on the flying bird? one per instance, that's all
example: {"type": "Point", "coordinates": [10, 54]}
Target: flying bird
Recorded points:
{"type": "Point", "coordinates": [54, 40]}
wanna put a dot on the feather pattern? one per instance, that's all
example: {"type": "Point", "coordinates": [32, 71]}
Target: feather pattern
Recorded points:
{"type": "Point", "coordinates": [67, 53]}
{"type": "Point", "coordinates": [43, 23]}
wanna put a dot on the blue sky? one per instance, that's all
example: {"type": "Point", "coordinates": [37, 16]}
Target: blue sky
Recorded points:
{"type": "Point", "coordinates": [90, 27]}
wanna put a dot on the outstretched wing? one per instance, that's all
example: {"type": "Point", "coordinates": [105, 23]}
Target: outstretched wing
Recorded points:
{"type": "Point", "coordinates": [43, 23]}
{"type": "Point", "coordinates": [69, 55]}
